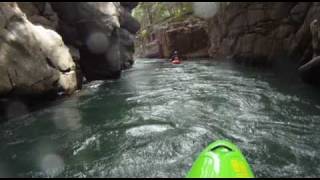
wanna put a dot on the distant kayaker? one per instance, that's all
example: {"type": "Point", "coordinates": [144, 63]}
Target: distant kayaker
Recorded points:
{"type": "Point", "coordinates": [175, 56]}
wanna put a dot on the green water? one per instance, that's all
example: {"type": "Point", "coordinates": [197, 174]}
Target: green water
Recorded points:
{"type": "Point", "coordinates": [155, 120]}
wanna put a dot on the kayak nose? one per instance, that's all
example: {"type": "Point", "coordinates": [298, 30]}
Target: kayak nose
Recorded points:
{"type": "Point", "coordinates": [221, 159]}
{"type": "Point", "coordinates": [221, 149]}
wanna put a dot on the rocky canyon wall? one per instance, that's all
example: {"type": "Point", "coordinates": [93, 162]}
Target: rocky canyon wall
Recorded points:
{"type": "Point", "coordinates": [48, 47]}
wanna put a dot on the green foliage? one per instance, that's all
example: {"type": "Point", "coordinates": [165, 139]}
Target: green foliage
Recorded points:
{"type": "Point", "coordinates": [153, 13]}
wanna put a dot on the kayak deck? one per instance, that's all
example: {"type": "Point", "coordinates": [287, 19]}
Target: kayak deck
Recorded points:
{"type": "Point", "coordinates": [221, 159]}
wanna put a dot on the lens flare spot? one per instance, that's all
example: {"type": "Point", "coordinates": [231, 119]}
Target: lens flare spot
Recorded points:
{"type": "Point", "coordinates": [52, 165]}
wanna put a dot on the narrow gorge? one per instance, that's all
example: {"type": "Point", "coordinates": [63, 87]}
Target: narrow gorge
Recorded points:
{"type": "Point", "coordinates": [254, 33]}
{"type": "Point", "coordinates": [140, 89]}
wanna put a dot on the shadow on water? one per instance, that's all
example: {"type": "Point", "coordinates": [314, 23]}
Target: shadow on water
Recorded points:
{"type": "Point", "coordinates": [15, 107]}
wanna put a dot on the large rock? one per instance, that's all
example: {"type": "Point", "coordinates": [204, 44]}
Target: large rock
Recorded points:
{"type": "Point", "coordinates": [310, 71]}
{"type": "Point", "coordinates": [40, 13]}
{"type": "Point", "coordinates": [96, 29]}
{"type": "Point", "coordinates": [315, 31]}
{"type": "Point", "coordinates": [128, 22]}
{"type": "Point", "coordinates": [91, 27]}
{"type": "Point", "coordinates": [153, 49]}
{"type": "Point", "coordinates": [126, 48]}
{"type": "Point", "coordinates": [269, 33]}
{"type": "Point", "coordinates": [129, 5]}
{"type": "Point", "coordinates": [261, 32]}
{"type": "Point", "coordinates": [189, 37]}
{"type": "Point", "coordinates": [33, 59]}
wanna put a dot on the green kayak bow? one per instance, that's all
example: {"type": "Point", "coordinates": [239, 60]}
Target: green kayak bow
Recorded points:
{"type": "Point", "coordinates": [221, 159]}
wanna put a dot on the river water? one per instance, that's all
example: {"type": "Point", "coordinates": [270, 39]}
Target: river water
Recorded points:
{"type": "Point", "coordinates": [154, 121]}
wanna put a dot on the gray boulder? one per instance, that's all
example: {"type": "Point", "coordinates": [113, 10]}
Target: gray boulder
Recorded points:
{"type": "Point", "coordinates": [33, 59]}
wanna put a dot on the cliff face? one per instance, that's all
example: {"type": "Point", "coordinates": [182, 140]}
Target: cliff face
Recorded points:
{"type": "Point", "coordinates": [48, 47]}
{"type": "Point", "coordinates": [33, 59]}
{"type": "Point", "coordinates": [263, 32]}
{"type": "Point", "coordinates": [189, 37]}
{"type": "Point", "coordinates": [269, 32]}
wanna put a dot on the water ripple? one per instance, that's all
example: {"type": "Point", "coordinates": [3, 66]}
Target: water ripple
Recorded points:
{"type": "Point", "coordinates": [155, 120]}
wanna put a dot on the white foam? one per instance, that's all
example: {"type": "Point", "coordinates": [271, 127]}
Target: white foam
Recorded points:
{"type": "Point", "coordinates": [147, 129]}
{"type": "Point", "coordinates": [87, 143]}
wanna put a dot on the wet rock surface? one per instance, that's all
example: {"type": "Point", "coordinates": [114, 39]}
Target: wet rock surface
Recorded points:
{"type": "Point", "coordinates": [96, 29]}
{"type": "Point", "coordinates": [96, 42]}
{"type": "Point", "coordinates": [33, 59]}
{"type": "Point", "coordinates": [50, 49]}
{"type": "Point", "coordinates": [263, 33]}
